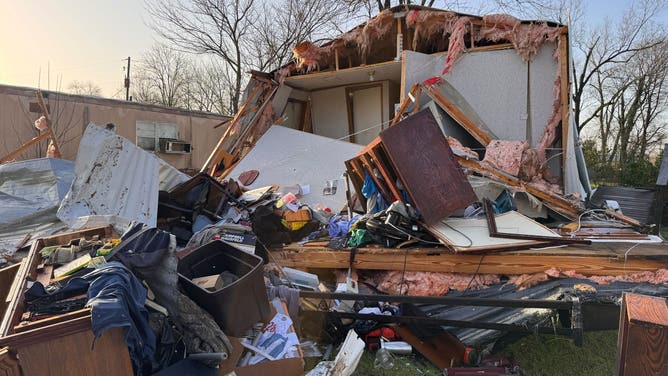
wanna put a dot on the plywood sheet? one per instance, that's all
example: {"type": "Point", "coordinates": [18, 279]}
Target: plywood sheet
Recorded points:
{"type": "Point", "coordinates": [426, 166]}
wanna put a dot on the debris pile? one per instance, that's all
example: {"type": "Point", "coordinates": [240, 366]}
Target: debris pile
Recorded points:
{"type": "Point", "coordinates": [446, 231]}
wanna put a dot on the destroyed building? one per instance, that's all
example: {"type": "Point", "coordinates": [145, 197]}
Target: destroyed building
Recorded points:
{"type": "Point", "coordinates": [412, 187]}
{"type": "Point", "coordinates": [183, 138]}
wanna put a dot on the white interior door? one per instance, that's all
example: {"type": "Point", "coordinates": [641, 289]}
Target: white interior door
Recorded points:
{"type": "Point", "coordinates": [367, 112]}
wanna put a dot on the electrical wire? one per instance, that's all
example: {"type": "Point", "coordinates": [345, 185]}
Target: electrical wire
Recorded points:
{"type": "Point", "coordinates": [413, 236]}
{"type": "Point", "coordinates": [462, 234]}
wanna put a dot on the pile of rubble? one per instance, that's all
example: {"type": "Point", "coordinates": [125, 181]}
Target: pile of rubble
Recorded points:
{"type": "Point", "coordinates": [431, 240]}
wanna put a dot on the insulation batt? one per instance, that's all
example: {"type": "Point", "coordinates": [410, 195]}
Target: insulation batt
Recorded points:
{"type": "Point", "coordinates": [41, 123]}
{"type": "Point", "coordinates": [457, 146]}
{"type": "Point", "coordinates": [505, 155]}
{"type": "Point", "coordinates": [430, 284]}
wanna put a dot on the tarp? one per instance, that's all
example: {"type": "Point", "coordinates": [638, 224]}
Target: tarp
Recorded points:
{"type": "Point", "coordinates": [30, 193]}
{"type": "Point", "coordinates": [114, 177]}
{"type": "Point", "coordinates": [287, 157]}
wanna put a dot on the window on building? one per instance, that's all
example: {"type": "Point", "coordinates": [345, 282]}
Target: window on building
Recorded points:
{"type": "Point", "coordinates": [149, 134]}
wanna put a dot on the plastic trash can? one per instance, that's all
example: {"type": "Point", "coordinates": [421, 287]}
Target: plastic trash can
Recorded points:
{"type": "Point", "coordinates": [237, 306]}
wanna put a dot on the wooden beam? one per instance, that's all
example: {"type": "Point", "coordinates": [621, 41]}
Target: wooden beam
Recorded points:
{"type": "Point", "coordinates": [24, 147]}
{"type": "Point", "coordinates": [456, 114]}
{"type": "Point", "coordinates": [565, 100]}
{"type": "Point", "coordinates": [416, 90]}
{"type": "Point", "coordinates": [554, 202]}
{"type": "Point", "coordinates": [437, 260]}
{"type": "Point", "coordinates": [336, 58]}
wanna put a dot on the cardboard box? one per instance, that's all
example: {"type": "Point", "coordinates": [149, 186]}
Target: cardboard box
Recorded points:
{"type": "Point", "coordinates": [280, 367]}
{"type": "Point", "coordinates": [210, 282]}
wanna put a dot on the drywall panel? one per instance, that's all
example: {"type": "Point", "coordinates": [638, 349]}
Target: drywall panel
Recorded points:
{"type": "Point", "coordinates": [286, 157]}
{"type": "Point", "coordinates": [542, 72]}
{"type": "Point", "coordinates": [494, 83]}
{"type": "Point", "coordinates": [329, 110]}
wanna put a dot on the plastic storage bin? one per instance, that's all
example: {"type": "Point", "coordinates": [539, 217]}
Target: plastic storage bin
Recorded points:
{"type": "Point", "coordinates": [237, 306]}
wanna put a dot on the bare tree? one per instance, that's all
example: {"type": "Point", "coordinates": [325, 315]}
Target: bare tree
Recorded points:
{"type": "Point", "coordinates": [84, 88]}
{"type": "Point", "coordinates": [162, 77]}
{"type": "Point", "coordinates": [282, 25]}
{"type": "Point", "coordinates": [608, 45]}
{"type": "Point", "coordinates": [216, 27]}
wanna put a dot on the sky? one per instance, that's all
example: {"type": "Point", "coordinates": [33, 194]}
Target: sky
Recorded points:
{"type": "Point", "coordinates": [49, 44]}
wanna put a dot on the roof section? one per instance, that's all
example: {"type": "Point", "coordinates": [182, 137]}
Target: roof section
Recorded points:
{"type": "Point", "coordinates": [426, 30]}
{"type": "Point", "coordinates": [30, 92]}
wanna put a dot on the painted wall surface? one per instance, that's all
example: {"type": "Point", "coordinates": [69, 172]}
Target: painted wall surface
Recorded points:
{"type": "Point", "coordinates": [71, 114]}
{"type": "Point", "coordinates": [330, 111]}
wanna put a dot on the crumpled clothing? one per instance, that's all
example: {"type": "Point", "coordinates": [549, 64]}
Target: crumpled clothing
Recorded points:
{"type": "Point", "coordinates": [116, 298]}
{"type": "Point", "coordinates": [359, 238]}
{"type": "Point", "coordinates": [376, 202]}
{"type": "Point", "coordinates": [339, 225]}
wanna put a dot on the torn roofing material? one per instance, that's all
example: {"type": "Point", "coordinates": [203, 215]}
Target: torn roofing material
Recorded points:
{"type": "Point", "coordinates": [27, 187]}
{"type": "Point", "coordinates": [115, 177]}
{"type": "Point", "coordinates": [552, 289]}
{"type": "Point", "coordinates": [30, 193]}
{"type": "Point", "coordinates": [286, 157]}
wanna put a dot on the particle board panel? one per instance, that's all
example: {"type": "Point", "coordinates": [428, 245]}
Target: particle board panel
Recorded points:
{"type": "Point", "coordinates": [427, 167]}
{"type": "Point", "coordinates": [467, 234]}
{"type": "Point", "coordinates": [78, 354]}
{"type": "Point", "coordinates": [436, 260]}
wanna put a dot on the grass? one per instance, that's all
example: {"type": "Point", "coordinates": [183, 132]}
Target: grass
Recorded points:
{"type": "Point", "coordinates": [544, 355]}
{"type": "Point", "coordinates": [537, 355]}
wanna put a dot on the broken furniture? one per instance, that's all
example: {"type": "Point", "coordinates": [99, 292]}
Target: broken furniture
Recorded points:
{"type": "Point", "coordinates": [414, 154]}
{"type": "Point", "coordinates": [642, 345]}
{"type": "Point", "coordinates": [60, 344]}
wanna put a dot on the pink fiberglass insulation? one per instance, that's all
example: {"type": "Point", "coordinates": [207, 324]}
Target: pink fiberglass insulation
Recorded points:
{"type": "Point", "coordinates": [660, 276]}
{"type": "Point", "coordinates": [456, 45]}
{"type": "Point", "coordinates": [430, 284]}
{"type": "Point", "coordinates": [457, 146]}
{"type": "Point", "coordinates": [526, 38]}
{"type": "Point", "coordinates": [307, 55]}
{"type": "Point", "coordinates": [525, 281]}
{"type": "Point", "coordinates": [505, 155]}
{"type": "Point", "coordinates": [375, 29]}
{"type": "Point", "coordinates": [427, 24]}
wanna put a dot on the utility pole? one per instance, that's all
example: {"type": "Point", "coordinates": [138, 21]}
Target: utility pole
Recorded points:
{"type": "Point", "coordinates": [127, 81]}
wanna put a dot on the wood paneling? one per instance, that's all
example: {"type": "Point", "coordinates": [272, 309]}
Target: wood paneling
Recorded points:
{"type": "Point", "coordinates": [78, 354]}
{"type": "Point", "coordinates": [9, 365]}
{"type": "Point", "coordinates": [426, 166]}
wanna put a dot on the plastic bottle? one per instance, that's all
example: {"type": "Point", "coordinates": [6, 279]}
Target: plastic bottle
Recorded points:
{"type": "Point", "coordinates": [384, 359]}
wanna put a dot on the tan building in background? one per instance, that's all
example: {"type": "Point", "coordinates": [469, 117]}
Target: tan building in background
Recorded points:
{"type": "Point", "coordinates": [182, 138]}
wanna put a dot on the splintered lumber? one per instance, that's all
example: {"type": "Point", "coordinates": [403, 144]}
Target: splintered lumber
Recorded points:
{"type": "Point", "coordinates": [597, 259]}
{"type": "Point", "coordinates": [47, 134]}
{"type": "Point", "coordinates": [554, 202]}
{"type": "Point", "coordinates": [642, 345]}
{"type": "Point", "coordinates": [457, 111]}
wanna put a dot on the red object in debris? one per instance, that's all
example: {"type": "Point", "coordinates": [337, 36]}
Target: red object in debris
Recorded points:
{"type": "Point", "coordinates": [248, 177]}
{"type": "Point", "coordinates": [372, 339]}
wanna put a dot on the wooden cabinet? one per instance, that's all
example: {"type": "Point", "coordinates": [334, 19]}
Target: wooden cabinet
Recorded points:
{"type": "Point", "coordinates": [63, 344]}
{"type": "Point", "coordinates": [642, 345]}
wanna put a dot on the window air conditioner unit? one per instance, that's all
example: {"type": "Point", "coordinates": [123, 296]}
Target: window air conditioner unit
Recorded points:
{"type": "Point", "coordinates": [170, 146]}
